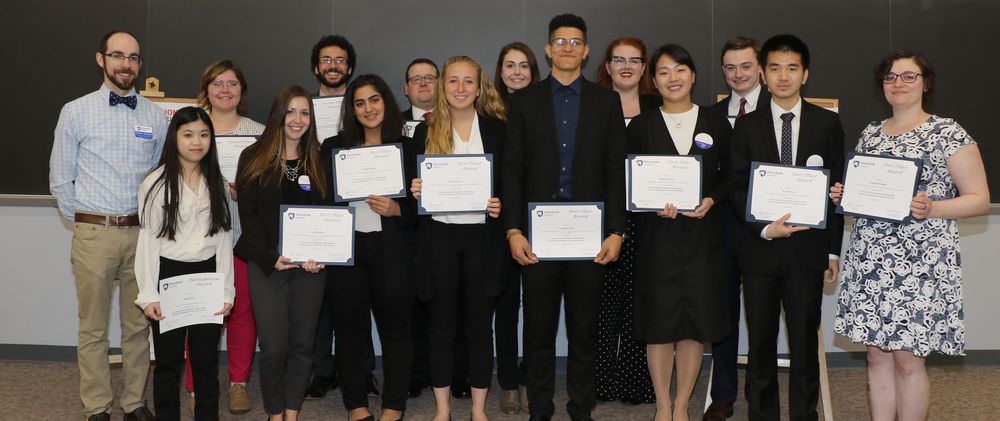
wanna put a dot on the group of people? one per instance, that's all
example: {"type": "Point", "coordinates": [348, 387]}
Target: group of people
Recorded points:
{"type": "Point", "coordinates": [149, 202]}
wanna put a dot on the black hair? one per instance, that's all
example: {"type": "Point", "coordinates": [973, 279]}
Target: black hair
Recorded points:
{"type": "Point", "coordinates": [568, 20]}
{"type": "Point", "coordinates": [353, 133]}
{"type": "Point", "coordinates": [103, 46]}
{"type": "Point", "coordinates": [169, 180]}
{"type": "Point", "coordinates": [674, 51]}
{"type": "Point", "coordinates": [416, 61]}
{"type": "Point", "coordinates": [333, 40]}
{"type": "Point", "coordinates": [784, 43]}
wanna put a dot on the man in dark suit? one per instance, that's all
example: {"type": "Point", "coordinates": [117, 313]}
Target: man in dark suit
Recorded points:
{"type": "Point", "coordinates": [421, 75]}
{"type": "Point", "coordinates": [742, 72]}
{"type": "Point", "coordinates": [565, 142]}
{"type": "Point", "coordinates": [784, 266]}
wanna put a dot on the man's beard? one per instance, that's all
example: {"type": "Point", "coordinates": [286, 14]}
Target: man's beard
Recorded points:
{"type": "Point", "coordinates": [343, 80]}
{"type": "Point", "coordinates": [125, 86]}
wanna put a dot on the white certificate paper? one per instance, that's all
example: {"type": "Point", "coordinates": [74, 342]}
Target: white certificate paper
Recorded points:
{"type": "Point", "coordinates": [321, 233]}
{"type": "Point", "coordinates": [326, 115]}
{"type": "Point", "coordinates": [879, 187]}
{"type": "Point", "coordinates": [191, 299]}
{"type": "Point", "coordinates": [779, 189]}
{"type": "Point", "coordinates": [566, 230]}
{"type": "Point", "coordinates": [454, 183]}
{"type": "Point", "coordinates": [376, 170]}
{"type": "Point", "coordinates": [656, 180]}
{"type": "Point", "coordinates": [229, 149]}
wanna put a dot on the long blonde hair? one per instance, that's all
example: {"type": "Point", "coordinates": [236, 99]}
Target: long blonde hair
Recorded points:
{"type": "Point", "coordinates": [488, 103]}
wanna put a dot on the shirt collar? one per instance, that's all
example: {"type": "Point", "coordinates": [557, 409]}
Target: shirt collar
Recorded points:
{"type": "Point", "coordinates": [576, 85]}
{"type": "Point", "coordinates": [418, 113]}
{"type": "Point", "coordinates": [106, 91]}
{"type": "Point", "coordinates": [777, 111]}
{"type": "Point", "coordinates": [751, 96]}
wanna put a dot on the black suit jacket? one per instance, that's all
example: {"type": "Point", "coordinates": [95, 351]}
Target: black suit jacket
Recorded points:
{"type": "Point", "coordinates": [820, 133]}
{"type": "Point", "coordinates": [531, 157]}
{"type": "Point", "coordinates": [496, 254]}
{"type": "Point", "coordinates": [398, 233]}
{"type": "Point", "coordinates": [722, 107]}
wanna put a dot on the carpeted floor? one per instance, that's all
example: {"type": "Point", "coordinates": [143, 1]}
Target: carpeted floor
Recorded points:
{"type": "Point", "coordinates": [49, 391]}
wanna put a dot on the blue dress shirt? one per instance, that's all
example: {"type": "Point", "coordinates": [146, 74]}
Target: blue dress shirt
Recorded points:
{"type": "Point", "coordinates": [566, 107]}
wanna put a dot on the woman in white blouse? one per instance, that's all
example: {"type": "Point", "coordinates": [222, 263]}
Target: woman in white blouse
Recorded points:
{"type": "Point", "coordinates": [185, 228]}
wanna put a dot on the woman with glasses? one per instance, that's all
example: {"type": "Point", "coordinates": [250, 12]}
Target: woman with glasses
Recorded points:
{"type": "Point", "coordinates": [621, 360]}
{"type": "Point", "coordinates": [462, 258]}
{"type": "Point", "coordinates": [901, 294]}
{"type": "Point", "coordinates": [679, 283]}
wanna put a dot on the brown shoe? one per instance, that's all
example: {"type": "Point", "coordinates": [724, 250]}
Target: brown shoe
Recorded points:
{"type": "Point", "coordinates": [239, 399]}
{"type": "Point", "coordinates": [508, 402]}
{"type": "Point", "coordinates": [718, 412]}
{"type": "Point", "coordinates": [140, 414]}
{"type": "Point", "coordinates": [191, 403]}
{"type": "Point", "coordinates": [522, 395]}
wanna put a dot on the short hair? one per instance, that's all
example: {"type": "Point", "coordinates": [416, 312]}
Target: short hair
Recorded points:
{"type": "Point", "coordinates": [785, 43]}
{"type": "Point", "coordinates": [740, 43]}
{"type": "Point", "coordinates": [532, 63]}
{"type": "Point", "coordinates": [604, 79]}
{"type": "Point", "coordinates": [353, 133]}
{"type": "Point", "coordinates": [213, 71]}
{"type": "Point", "coordinates": [926, 70]}
{"type": "Point", "coordinates": [568, 20]}
{"type": "Point", "coordinates": [103, 46]}
{"type": "Point", "coordinates": [416, 61]}
{"type": "Point", "coordinates": [333, 40]}
{"type": "Point", "coordinates": [674, 51]}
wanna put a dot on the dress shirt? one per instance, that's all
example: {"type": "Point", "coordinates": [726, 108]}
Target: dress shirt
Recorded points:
{"type": "Point", "coordinates": [418, 113]}
{"type": "Point", "coordinates": [682, 136]}
{"type": "Point", "coordinates": [191, 242]}
{"type": "Point", "coordinates": [776, 112]}
{"type": "Point", "coordinates": [474, 146]}
{"type": "Point", "coordinates": [751, 105]}
{"type": "Point", "coordinates": [566, 105]}
{"type": "Point", "coordinates": [101, 153]}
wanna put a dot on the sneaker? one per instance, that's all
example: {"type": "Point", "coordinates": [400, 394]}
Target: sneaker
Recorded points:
{"type": "Point", "coordinates": [239, 399]}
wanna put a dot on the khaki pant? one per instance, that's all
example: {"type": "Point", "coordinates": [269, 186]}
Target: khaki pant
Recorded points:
{"type": "Point", "coordinates": [103, 258]}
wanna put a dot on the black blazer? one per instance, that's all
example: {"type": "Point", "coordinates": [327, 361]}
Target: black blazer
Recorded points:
{"type": "Point", "coordinates": [820, 133]}
{"type": "Point", "coordinates": [722, 107]}
{"type": "Point", "coordinates": [259, 207]}
{"type": "Point", "coordinates": [497, 254]}
{"type": "Point", "coordinates": [531, 157]}
{"type": "Point", "coordinates": [398, 233]}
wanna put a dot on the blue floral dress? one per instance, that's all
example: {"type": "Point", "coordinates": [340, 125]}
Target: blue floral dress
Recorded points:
{"type": "Point", "coordinates": [902, 284]}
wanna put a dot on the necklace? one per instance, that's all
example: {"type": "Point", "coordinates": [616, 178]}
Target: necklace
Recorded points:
{"type": "Point", "coordinates": [291, 173]}
{"type": "Point", "coordinates": [677, 124]}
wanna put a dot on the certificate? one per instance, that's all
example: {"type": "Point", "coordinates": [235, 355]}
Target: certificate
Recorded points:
{"type": "Point", "coordinates": [326, 115]}
{"type": "Point", "coordinates": [191, 299]}
{"type": "Point", "coordinates": [410, 126]}
{"type": "Point", "coordinates": [566, 230]}
{"type": "Point", "coordinates": [321, 233]}
{"type": "Point", "coordinates": [656, 180]}
{"type": "Point", "coordinates": [454, 183]}
{"type": "Point", "coordinates": [879, 187]}
{"type": "Point", "coordinates": [229, 149]}
{"type": "Point", "coordinates": [779, 189]}
{"type": "Point", "coordinates": [368, 170]}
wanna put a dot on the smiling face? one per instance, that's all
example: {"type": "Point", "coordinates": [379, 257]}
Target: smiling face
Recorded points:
{"type": "Point", "coordinates": [673, 80]}
{"type": "Point", "coordinates": [369, 107]}
{"type": "Point", "coordinates": [193, 142]}
{"type": "Point", "coordinates": [333, 69]}
{"type": "Point", "coordinates": [461, 85]}
{"type": "Point", "coordinates": [120, 74]}
{"type": "Point", "coordinates": [225, 92]}
{"type": "Point", "coordinates": [567, 57]}
{"type": "Point", "coordinates": [297, 118]}
{"type": "Point", "coordinates": [741, 69]}
{"type": "Point", "coordinates": [626, 67]}
{"type": "Point", "coordinates": [900, 94]}
{"type": "Point", "coordinates": [516, 71]}
{"type": "Point", "coordinates": [785, 75]}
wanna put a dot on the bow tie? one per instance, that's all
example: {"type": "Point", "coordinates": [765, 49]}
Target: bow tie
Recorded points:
{"type": "Point", "coordinates": [116, 99]}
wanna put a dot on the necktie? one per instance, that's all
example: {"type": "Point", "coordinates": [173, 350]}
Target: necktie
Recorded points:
{"type": "Point", "coordinates": [786, 138]}
{"type": "Point", "coordinates": [115, 99]}
{"type": "Point", "coordinates": [427, 115]}
{"type": "Point", "coordinates": [743, 107]}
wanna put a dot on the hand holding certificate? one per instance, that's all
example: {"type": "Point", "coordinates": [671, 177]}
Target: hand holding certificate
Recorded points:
{"type": "Point", "coordinates": [326, 115]}
{"type": "Point", "coordinates": [566, 230]}
{"type": "Point", "coordinates": [653, 181]}
{"type": "Point", "coordinates": [368, 170]}
{"type": "Point", "coordinates": [880, 187]}
{"type": "Point", "coordinates": [229, 149]}
{"type": "Point", "coordinates": [321, 233]}
{"type": "Point", "coordinates": [776, 190]}
{"type": "Point", "coordinates": [454, 183]}
{"type": "Point", "coordinates": [191, 299]}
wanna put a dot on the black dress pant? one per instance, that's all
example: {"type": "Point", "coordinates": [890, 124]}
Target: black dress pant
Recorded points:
{"type": "Point", "coordinates": [360, 291]}
{"type": "Point", "coordinates": [800, 293]}
{"type": "Point", "coordinates": [286, 306]}
{"type": "Point", "coordinates": [510, 374]}
{"type": "Point", "coordinates": [724, 353]}
{"type": "Point", "coordinates": [546, 285]}
{"type": "Point", "coordinates": [324, 362]}
{"type": "Point", "coordinates": [457, 260]}
{"type": "Point", "coordinates": [203, 349]}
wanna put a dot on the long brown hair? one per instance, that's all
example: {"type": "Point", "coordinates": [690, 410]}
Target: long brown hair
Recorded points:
{"type": "Point", "coordinates": [532, 63]}
{"type": "Point", "coordinates": [603, 78]}
{"type": "Point", "coordinates": [268, 152]}
{"type": "Point", "coordinates": [488, 103]}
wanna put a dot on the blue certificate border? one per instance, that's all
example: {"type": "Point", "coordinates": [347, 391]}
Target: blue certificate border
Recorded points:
{"type": "Point", "coordinates": [420, 170]}
{"type": "Point", "coordinates": [281, 229]}
{"type": "Point", "coordinates": [631, 193]}
{"type": "Point", "coordinates": [916, 184]}
{"type": "Point", "coordinates": [826, 203]}
{"type": "Point", "coordinates": [533, 205]}
{"type": "Point", "coordinates": [402, 177]}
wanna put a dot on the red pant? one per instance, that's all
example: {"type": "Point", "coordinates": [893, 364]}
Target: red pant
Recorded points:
{"type": "Point", "coordinates": [241, 331]}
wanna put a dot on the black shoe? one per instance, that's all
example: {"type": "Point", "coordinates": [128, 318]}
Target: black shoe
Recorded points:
{"type": "Point", "coordinates": [534, 417]}
{"type": "Point", "coordinates": [461, 391]}
{"type": "Point", "coordinates": [373, 385]}
{"type": "Point", "coordinates": [100, 416]}
{"type": "Point", "coordinates": [718, 412]}
{"type": "Point", "coordinates": [581, 418]}
{"type": "Point", "coordinates": [140, 414]}
{"type": "Point", "coordinates": [317, 389]}
{"type": "Point", "coordinates": [415, 392]}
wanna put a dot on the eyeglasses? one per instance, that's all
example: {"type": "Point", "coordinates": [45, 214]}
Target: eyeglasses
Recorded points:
{"type": "Point", "coordinates": [561, 42]}
{"type": "Point", "coordinates": [232, 84]}
{"type": "Point", "coordinates": [908, 77]}
{"type": "Point", "coordinates": [119, 57]}
{"type": "Point", "coordinates": [416, 80]}
{"type": "Point", "coordinates": [330, 60]}
{"type": "Point", "coordinates": [621, 61]}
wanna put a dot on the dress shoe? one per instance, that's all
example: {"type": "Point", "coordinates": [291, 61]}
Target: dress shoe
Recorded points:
{"type": "Point", "coordinates": [100, 416]}
{"type": "Point", "coordinates": [534, 417]}
{"type": "Point", "coordinates": [191, 403]}
{"type": "Point", "coordinates": [461, 391]}
{"type": "Point", "coordinates": [373, 386]}
{"type": "Point", "coordinates": [239, 399]}
{"type": "Point", "coordinates": [140, 414]}
{"type": "Point", "coordinates": [718, 411]}
{"type": "Point", "coordinates": [317, 389]}
{"type": "Point", "coordinates": [415, 392]}
{"type": "Point", "coordinates": [522, 395]}
{"type": "Point", "coordinates": [581, 418]}
{"type": "Point", "coordinates": [508, 402]}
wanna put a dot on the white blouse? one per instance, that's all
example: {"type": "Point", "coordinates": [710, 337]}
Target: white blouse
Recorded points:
{"type": "Point", "coordinates": [681, 127]}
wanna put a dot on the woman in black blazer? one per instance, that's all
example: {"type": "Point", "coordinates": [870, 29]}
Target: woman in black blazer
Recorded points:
{"type": "Point", "coordinates": [462, 259]}
{"type": "Point", "coordinates": [381, 279]}
{"type": "Point", "coordinates": [680, 285]}
{"type": "Point", "coordinates": [282, 167]}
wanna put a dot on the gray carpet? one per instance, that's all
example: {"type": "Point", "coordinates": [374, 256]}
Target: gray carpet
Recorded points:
{"type": "Point", "coordinates": [49, 391]}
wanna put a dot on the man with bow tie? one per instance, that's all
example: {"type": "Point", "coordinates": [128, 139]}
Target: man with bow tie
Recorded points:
{"type": "Point", "coordinates": [105, 143]}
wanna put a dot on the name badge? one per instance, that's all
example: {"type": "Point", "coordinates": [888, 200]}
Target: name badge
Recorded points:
{"type": "Point", "coordinates": [304, 183]}
{"type": "Point", "coordinates": [144, 132]}
{"type": "Point", "coordinates": [703, 141]}
{"type": "Point", "coordinates": [815, 162]}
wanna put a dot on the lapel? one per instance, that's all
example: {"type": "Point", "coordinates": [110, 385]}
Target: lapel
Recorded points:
{"type": "Point", "coordinates": [765, 128]}
{"type": "Point", "coordinates": [658, 130]}
{"type": "Point", "coordinates": [806, 137]}
{"type": "Point", "coordinates": [489, 138]}
{"type": "Point", "coordinates": [701, 126]}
